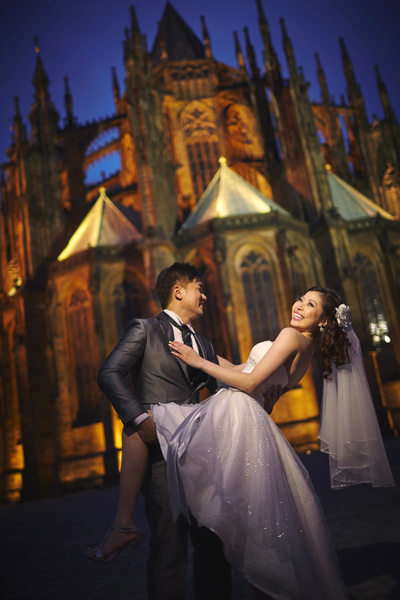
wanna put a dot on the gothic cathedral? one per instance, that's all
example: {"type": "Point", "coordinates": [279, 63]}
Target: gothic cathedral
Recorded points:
{"type": "Point", "coordinates": [230, 168]}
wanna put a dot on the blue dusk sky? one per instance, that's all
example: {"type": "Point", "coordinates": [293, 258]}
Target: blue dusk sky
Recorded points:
{"type": "Point", "coordinates": [82, 39]}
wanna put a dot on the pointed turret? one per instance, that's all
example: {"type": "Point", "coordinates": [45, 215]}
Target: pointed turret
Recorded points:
{"type": "Point", "coordinates": [289, 51]}
{"type": "Point", "coordinates": [334, 148]}
{"type": "Point", "coordinates": [239, 53]}
{"type": "Point", "coordinates": [206, 38]}
{"type": "Point", "coordinates": [40, 79]}
{"type": "Point", "coordinates": [251, 57]}
{"type": "Point", "coordinates": [353, 88]}
{"type": "Point", "coordinates": [393, 143]}
{"type": "Point", "coordinates": [115, 86]}
{"type": "Point", "coordinates": [68, 104]}
{"type": "Point", "coordinates": [18, 127]}
{"type": "Point", "coordinates": [43, 116]}
{"type": "Point", "coordinates": [135, 33]}
{"type": "Point", "coordinates": [322, 81]}
{"type": "Point", "coordinates": [384, 96]}
{"type": "Point", "coordinates": [260, 101]}
{"type": "Point", "coordinates": [146, 122]}
{"type": "Point", "coordinates": [364, 163]}
{"type": "Point", "coordinates": [272, 66]}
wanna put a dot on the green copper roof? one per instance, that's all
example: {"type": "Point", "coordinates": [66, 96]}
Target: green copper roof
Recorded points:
{"type": "Point", "coordinates": [228, 195]}
{"type": "Point", "coordinates": [350, 203]}
{"type": "Point", "coordinates": [104, 225]}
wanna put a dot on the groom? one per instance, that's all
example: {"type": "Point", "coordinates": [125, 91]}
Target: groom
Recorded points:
{"type": "Point", "coordinates": [160, 377]}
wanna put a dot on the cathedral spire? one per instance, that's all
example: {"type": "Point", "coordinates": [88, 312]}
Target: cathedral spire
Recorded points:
{"type": "Point", "coordinates": [322, 81]}
{"type": "Point", "coordinates": [115, 86]}
{"type": "Point", "coordinates": [40, 79]}
{"type": "Point", "coordinates": [353, 88]}
{"type": "Point", "coordinates": [384, 96]}
{"type": "Point", "coordinates": [137, 46]}
{"type": "Point", "coordinates": [289, 51]}
{"type": "Point", "coordinates": [251, 57]}
{"type": "Point", "coordinates": [272, 66]}
{"type": "Point", "coordinates": [206, 38]}
{"type": "Point", "coordinates": [17, 125]}
{"type": "Point", "coordinates": [239, 53]}
{"type": "Point", "coordinates": [68, 103]}
{"type": "Point", "coordinates": [43, 116]}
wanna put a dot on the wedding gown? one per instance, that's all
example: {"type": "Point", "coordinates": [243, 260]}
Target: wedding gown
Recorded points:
{"type": "Point", "coordinates": [232, 468]}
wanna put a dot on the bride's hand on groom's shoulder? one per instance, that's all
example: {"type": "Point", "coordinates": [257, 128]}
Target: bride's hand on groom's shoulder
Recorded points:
{"type": "Point", "coordinates": [185, 353]}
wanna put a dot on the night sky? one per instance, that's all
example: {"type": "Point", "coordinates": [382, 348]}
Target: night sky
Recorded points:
{"type": "Point", "coordinates": [83, 40]}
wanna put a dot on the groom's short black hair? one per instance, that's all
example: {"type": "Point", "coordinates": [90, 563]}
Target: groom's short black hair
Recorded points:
{"type": "Point", "coordinates": [173, 274]}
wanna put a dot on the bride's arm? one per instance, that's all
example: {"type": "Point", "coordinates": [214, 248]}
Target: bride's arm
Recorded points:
{"type": "Point", "coordinates": [226, 363]}
{"type": "Point", "coordinates": [285, 345]}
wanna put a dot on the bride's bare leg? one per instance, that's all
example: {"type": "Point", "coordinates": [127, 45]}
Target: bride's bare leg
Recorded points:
{"type": "Point", "coordinates": [133, 467]}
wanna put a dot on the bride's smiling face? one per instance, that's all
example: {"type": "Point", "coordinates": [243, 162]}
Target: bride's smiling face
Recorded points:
{"type": "Point", "coordinates": [307, 313]}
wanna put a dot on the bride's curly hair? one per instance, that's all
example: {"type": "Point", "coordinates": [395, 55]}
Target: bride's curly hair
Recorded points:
{"type": "Point", "coordinates": [332, 343]}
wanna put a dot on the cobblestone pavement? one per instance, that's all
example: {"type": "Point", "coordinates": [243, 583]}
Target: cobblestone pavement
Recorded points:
{"type": "Point", "coordinates": [42, 543]}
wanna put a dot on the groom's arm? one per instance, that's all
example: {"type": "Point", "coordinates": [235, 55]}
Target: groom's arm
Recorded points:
{"type": "Point", "coordinates": [112, 375]}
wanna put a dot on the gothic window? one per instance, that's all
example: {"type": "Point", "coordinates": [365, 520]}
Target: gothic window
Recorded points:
{"type": "Point", "coordinates": [203, 161]}
{"type": "Point", "coordinates": [128, 304]}
{"type": "Point", "coordinates": [85, 356]}
{"type": "Point", "coordinates": [378, 325]}
{"type": "Point", "coordinates": [202, 144]}
{"type": "Point", "coordinates": [259, 296]}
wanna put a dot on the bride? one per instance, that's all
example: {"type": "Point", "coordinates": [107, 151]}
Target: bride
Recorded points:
{"type": "Point", "coordinates": [232, 469]}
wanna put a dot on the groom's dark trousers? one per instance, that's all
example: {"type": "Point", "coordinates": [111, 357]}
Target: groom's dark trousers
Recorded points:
{"type": "Point", "coordinates": [159, 377]}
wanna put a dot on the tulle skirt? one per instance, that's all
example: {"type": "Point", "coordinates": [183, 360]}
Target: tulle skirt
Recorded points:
{"type": "Point", "coordinates": [230, 466]}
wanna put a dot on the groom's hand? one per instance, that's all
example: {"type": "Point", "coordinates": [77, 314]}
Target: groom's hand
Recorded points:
{"type": "Point", "coordinates": [147, 431]}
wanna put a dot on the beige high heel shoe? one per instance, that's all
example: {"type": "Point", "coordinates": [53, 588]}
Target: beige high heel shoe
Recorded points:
{"type": "Point", "coordinates": [96, 552]}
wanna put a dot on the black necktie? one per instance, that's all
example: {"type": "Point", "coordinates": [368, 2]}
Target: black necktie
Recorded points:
{"type": "Point", "coordinates": [196, 376]}
{"type": "Point", "coordinates": [184, 329]}
{"type": "Point", "coordinates": [186, 335]}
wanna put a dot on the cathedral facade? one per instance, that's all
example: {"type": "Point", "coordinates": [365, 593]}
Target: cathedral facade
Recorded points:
{"type": "Point", "coordinates": [230, 168]}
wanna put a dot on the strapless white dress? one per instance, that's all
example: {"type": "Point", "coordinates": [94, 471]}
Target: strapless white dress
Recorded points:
{"type": "Point", "coordinates": [233, 470]}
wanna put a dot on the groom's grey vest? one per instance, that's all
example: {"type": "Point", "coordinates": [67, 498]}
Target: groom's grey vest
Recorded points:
{"type": "Point", "coordinates": [157, 375]}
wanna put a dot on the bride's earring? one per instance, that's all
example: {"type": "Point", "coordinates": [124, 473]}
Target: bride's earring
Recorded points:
{"type": "Point", "coordinates": [321, 328]}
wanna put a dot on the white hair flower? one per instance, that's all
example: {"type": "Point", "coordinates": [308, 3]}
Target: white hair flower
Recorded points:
{"type": "Point", "coordinates": [343, 318]}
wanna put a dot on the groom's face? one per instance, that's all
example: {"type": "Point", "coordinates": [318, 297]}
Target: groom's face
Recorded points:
{"type": "Point", "coordinates": [192, 299]}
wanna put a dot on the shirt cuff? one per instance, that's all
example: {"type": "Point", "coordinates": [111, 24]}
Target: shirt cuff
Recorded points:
{"type": "Point", "coordinates": [140, 419]}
